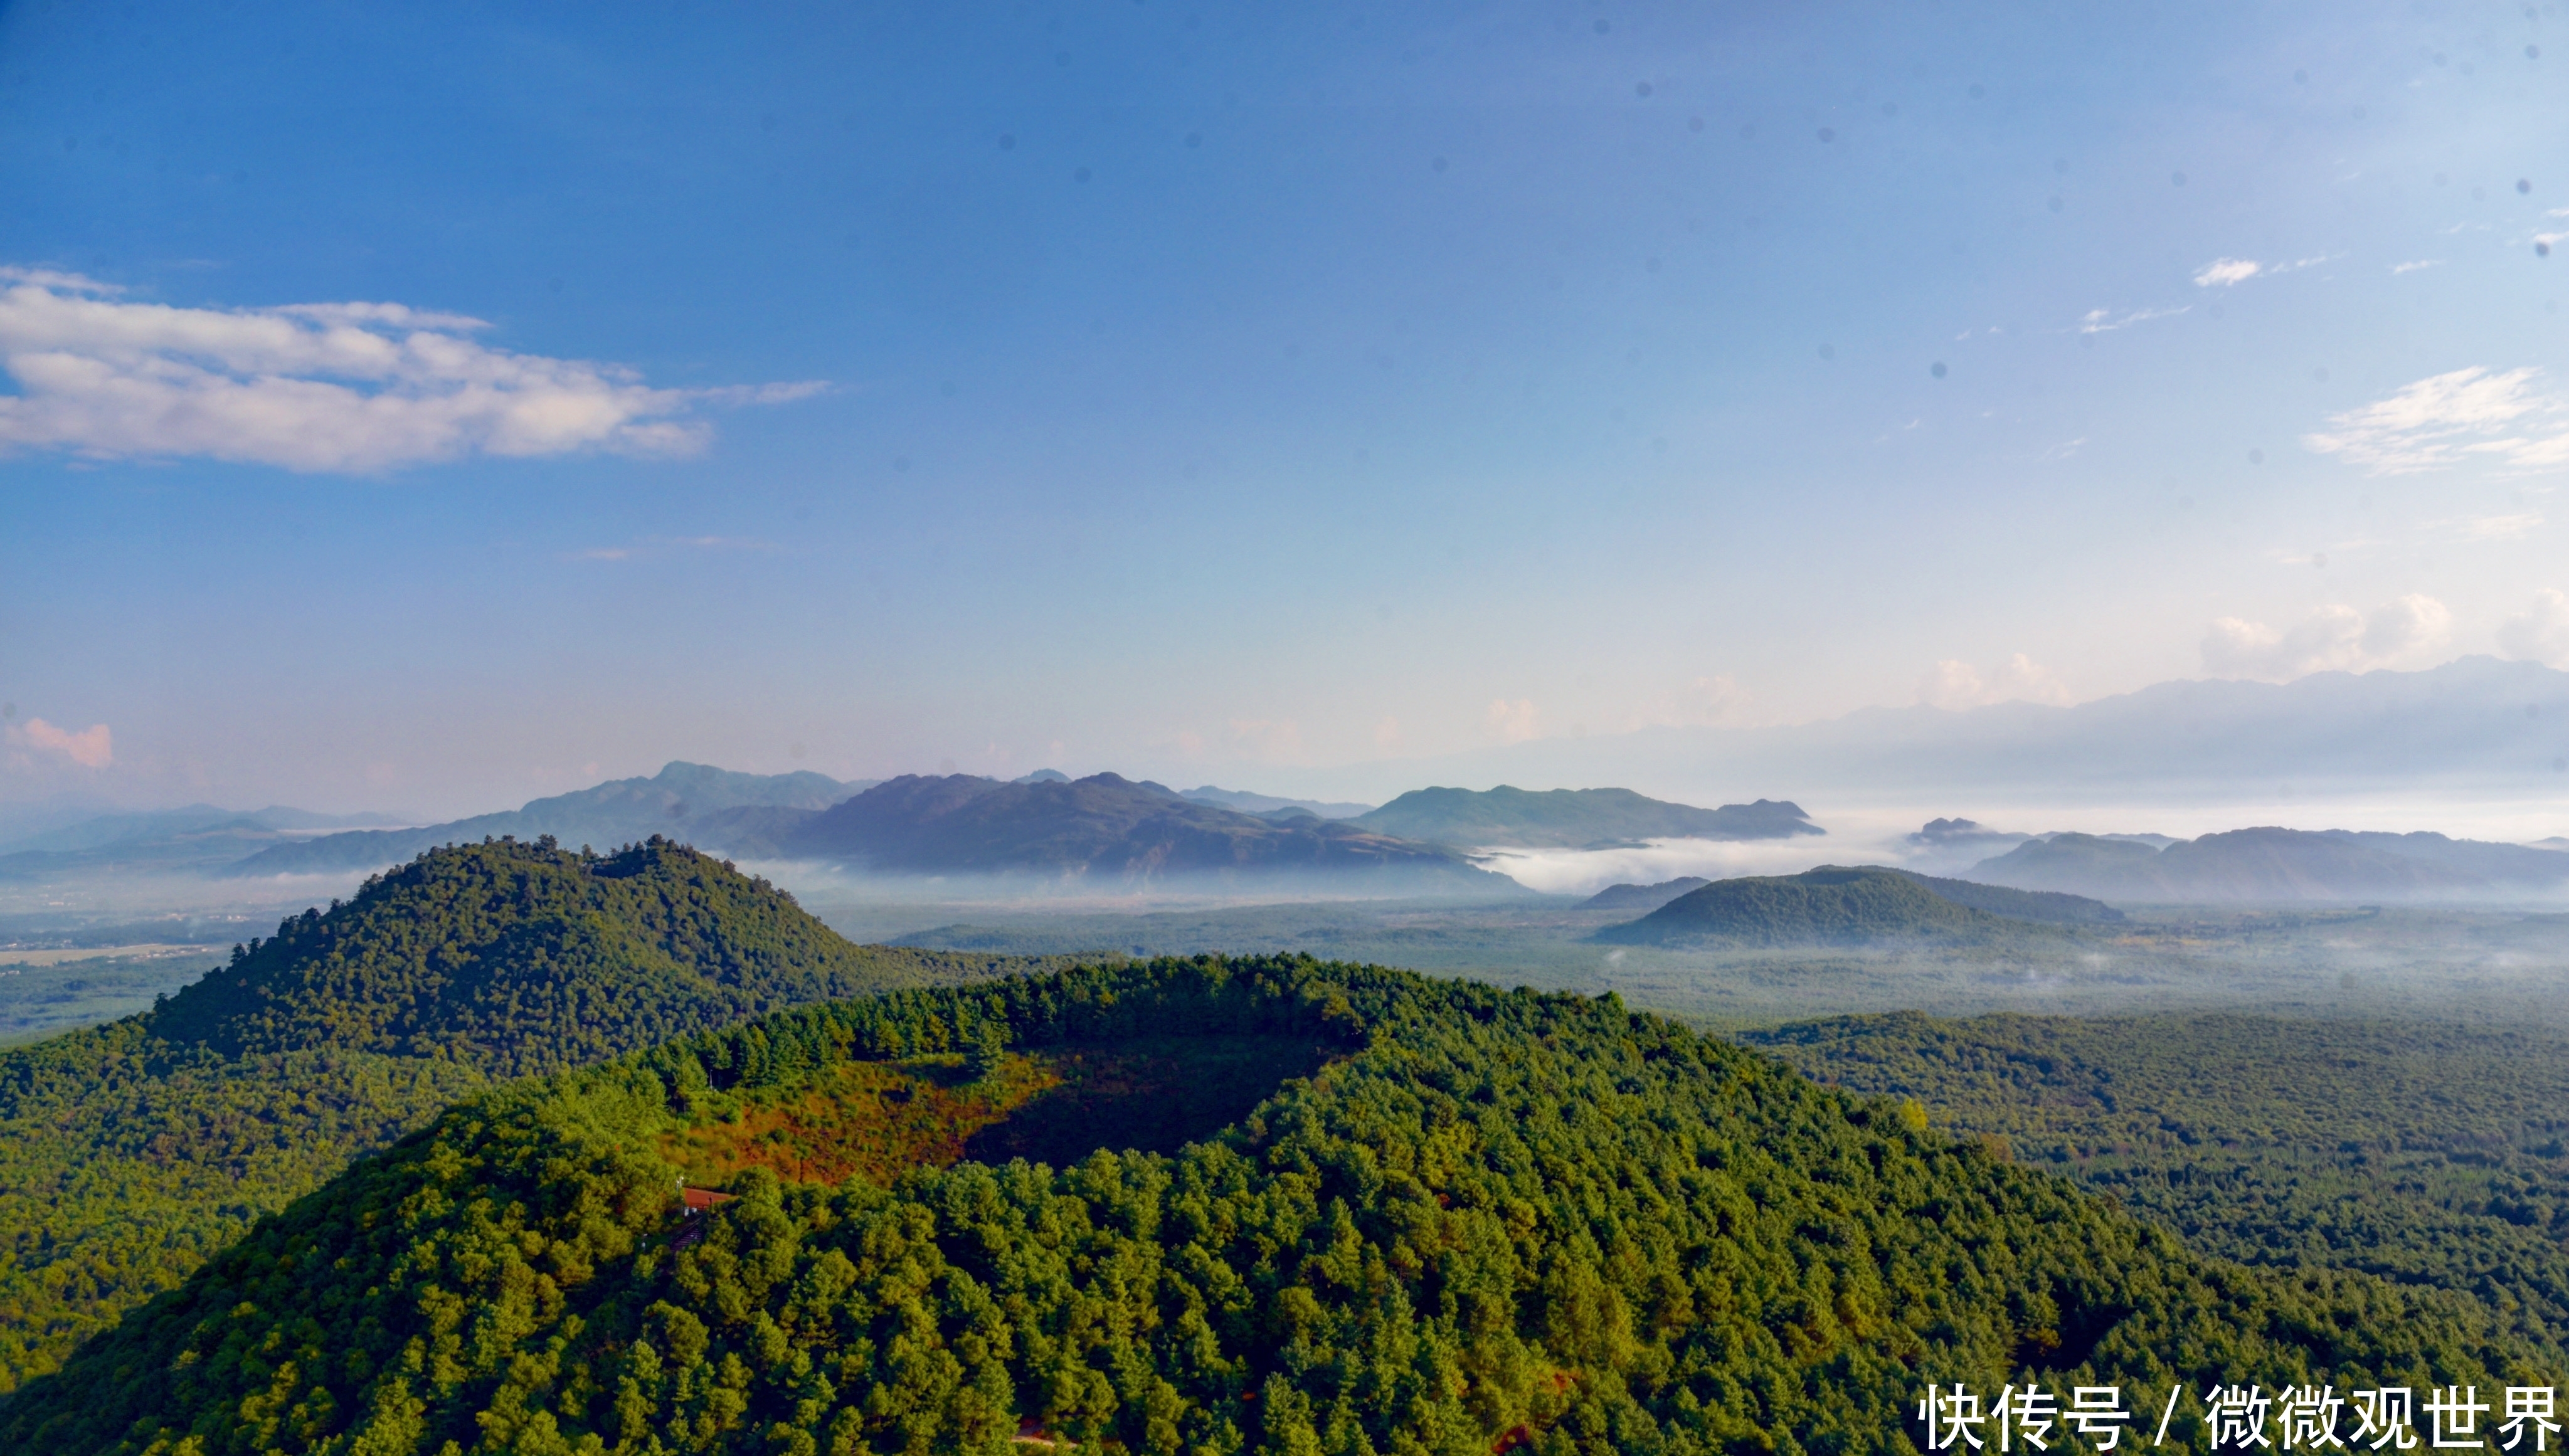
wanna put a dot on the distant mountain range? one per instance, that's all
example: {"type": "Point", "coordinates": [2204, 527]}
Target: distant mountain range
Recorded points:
{"type": "Point", "coordinates": [1238, 799]}
{"type": "Point", "coordinates": [1101, 829]}
{"type": "Point", "coordinates": [1864, 904]}
{"type": "Point", "coordinates": [684, 801]}
{"type": "Point", "coordinates": [195, 839]}
{"type": "Point", "coordinates": [1513, 818]}
{"type": "Point", "coordinates": [2279, 865]}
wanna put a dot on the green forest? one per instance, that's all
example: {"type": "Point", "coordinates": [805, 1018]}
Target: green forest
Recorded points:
{"type": "Point", "coordinates": [1461, 1219]}
{"type": "Point", "coordinates": [2427, 1152]}
{"type": "Point", "coordinates": [130, 1151]}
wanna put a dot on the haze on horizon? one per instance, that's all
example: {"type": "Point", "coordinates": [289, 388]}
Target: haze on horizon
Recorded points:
{"type": "Point", "coordinates": [425, 410]}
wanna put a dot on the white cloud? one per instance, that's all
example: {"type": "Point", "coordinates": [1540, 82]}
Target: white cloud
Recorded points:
{"type": "Point", "coordinates": [1269, 740]}
{"type": "Point", "coordinates": [341, 387]}
{"type": "Point", "coordinates": [2102, 320]}
{"type": "Point", "coordinates": [660, 545]}
{"type": "Point", "coordinates": [92, 747]}
{"type": "Point", "coordinates": [2231, 272]}
{"type": "Point", "coordinates": [1512, 722]}
{"type": "Point", "coordinates": [2410, 267]}
{"type": "Point", "coordinates": [1953, 684]}
{"type": "Point", "coordinates": [2335, 638]}
{"type": "Point", "coordinates": [2541, 633]}
{"type": "Point", "coordinates": [2448, 420]}
{"type": "Point", "coordinates": [2490, 528]}
{"type": "Point", "coordinates": [1717, 701]}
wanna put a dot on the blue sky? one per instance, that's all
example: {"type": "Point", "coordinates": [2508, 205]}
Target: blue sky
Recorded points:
{"type": "Point", "coordinates": [1190, 389]}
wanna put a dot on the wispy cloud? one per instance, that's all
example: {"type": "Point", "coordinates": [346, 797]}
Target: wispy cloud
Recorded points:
{"type": "Point", "coordinates": [2104, 321]}
{"type": "Point", "coordinates": [2231, 272]}
{"type": "Point", "coordinates": [2487, 527]}
{"type": "Point", "coordinates": [2410, 267]}
{"type": "Point", "coordinates": [2448, 420]}
{"type": "Point", "coordinates": [2333, 638]}
{"type": "Point", "coordinates": [336, 387]}
{"type": "Point", "coordinates": [663, 544]}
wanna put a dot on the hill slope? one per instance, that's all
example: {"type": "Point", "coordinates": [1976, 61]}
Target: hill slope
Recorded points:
{"type": "Point", "coordinates": [1643, 897]}
{"type": "Point", "coordinates": [2046, 906]}
{"type": "Point", "coordinates": [1834, 906]}
{"type": "Point", "coordinates": [1106, 828]}
{"type": "Point", "coordinates": [520, 958]}
{"type": "Point", "coordinates": [1495, 1220]}
{"type": "Point", "coordinates": [682, 801]}
{"type": "Point", "coordinates": [130, 1151]}
{"type": "Point", "coordinates": [1570, 818]}
{"type": "Point", "coordinates": [2425, 1152]}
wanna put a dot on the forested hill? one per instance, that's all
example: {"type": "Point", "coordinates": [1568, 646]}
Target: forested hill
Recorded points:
{"type": "Point", "coordinates": [1489, 1220]}
{"type": "Point", "coordinates": [518, 957]}
{"type": "Point", "coordinates": [130, 1151]}
{"type": "Point", "coordinates": [2422, 1151]}
{"type": "Point", "coordinates": [1835, 906]}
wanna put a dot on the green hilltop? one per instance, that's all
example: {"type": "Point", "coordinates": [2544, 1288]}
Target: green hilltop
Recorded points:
{"type": "Point", "coordinates": [1463, 1219]}
{"type": "Point", "coordinates": [130, 1151]}
{"type": "Point", "coordinates": [1866, 904]}
{"type": "Point", "coordinates": [520, 957]}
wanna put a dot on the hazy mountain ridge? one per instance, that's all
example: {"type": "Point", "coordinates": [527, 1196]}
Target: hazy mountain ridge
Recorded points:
{"type": "Point", "coordinates": [1102, 827]}
{"type": "Point", "coordinates": [1513, 818]}
{"type": "Point", "coordinates": [677, 802]}
{"type": "Point", "coordinates": [197, 839]}
{"type": "Point", "coordinates": [1248, 803]}
{"type": "Point", "coordinates": [2269, 864]}
{"type": "Point", "coordinates": [129, 827]}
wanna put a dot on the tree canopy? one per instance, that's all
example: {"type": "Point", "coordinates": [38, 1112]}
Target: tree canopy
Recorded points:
{"type": "Point", "coordinates": [1490, 1220]}
{"type": "Point", "coordinates": [130, 1151]}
